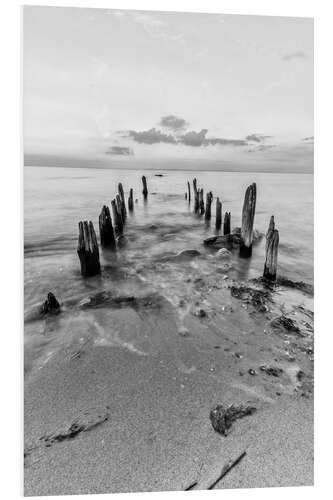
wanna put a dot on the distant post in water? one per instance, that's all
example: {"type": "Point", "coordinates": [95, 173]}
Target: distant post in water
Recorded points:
{"type": "Point", "coordinates": [249, 208]}
{"type": "Point", "coordinates": [130, 201]}
{"type": "Point", "coordinates": [201, 201]}
{"type": "Point", "coordinates": [87, 250]}
{"type": "Point", "coordinates": [145, 189]}
{"type": "Point", "coordinates": [272, 245]}
{"type": "Point", "coordinates": [209, 199]}
{"type": "Point", "coordinates": [227, 223]}
{"type": "Point", "coordinates": [196, 196]}
{"type": "Point", "coordinates": [122, 198]}
{"type": "Point", "coordinates": [106, 229]}
{"type": "Point", "coordinates": [117, 219]}
{"type": "Point", "coordinates": [189, 192]}
{"type": "Point", "coordinates": [218, 218]}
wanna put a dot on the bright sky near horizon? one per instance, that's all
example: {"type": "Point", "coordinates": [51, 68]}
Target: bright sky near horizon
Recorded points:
{"type": "Point", "coordinates": [112, 83]}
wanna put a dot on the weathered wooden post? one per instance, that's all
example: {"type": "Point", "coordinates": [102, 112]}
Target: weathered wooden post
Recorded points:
{"type": "Point", "coordinates": [249, 207]}
{"type": "Point", "coordinates": [106, 229]}
{"type": "Point", "coordinates": [218, 219]}
{"type": "Point", "coordinates": [196, 196]}
{"type": "Point", "coordinates": [117, 219]}
{"type": "Point", "coordinates": [130, 201]}
{"type": "Point", "coordinates": [122, 198]}
{"type": "Point", "coordinates": [201, 201]}
{"type": "Point", "coordinates": [209, 199]}
{"type": "Point", "coordinates": [119, 209]}
{"type": "Point", "coordinates": [145, 189]}
{"type": "Point", "coordinates": [272, 245]}
{"type": "Point", "coordinates": [227, 223]}
{"type": "Point", "coordinates": [88, 249]}
{"type": "Point", "coordinates": [189, 192]}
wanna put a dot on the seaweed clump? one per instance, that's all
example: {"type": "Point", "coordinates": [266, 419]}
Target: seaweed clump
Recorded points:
{"type": "Point", "coordinates": [257, 298]}
{"type": "Point", "coordinates": [285, 323]}
{"type": "Point", "coordinates": [222, 417]}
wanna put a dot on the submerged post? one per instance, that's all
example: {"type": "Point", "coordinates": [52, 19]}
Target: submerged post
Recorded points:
{"type": "Point", "coordinates": [201, 202]}
{"type": "Point", "coordinates": [189, 192]}
{"type": "Point", "coordinates": [218, 219]}
{"type": "Point", "coordinates": [196, 196]}
{"type": "Point", "coordinates": [130, 201]}
{"type": "Point", "coordinates": [209, 199]}
{"type": "Point", "coordinates": [122, 198]}
{"type": "Point", "coordinates": [118, 222]}
{"type": "Point", "coordinates": [88, 250]}
{"type": "Point", "coordinates": [272, 245]}
{"type": "Point", "coordinates": [106, 229]}
{"type": "Point", "coordinates": [249, 207]}
{"type": "Point", "coordinates": [227, 223]}
{"type": "Point", "coordinates": [145, 189]}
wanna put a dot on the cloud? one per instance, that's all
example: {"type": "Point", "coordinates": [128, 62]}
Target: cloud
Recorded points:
{"type": "Point", "coordinates": [120, 151]}
{"type": "Point", "coordinates": [309, 139]}
{"type": "Point", "coordinates": [257, 137]}
{"type": "Point", "coordinates": [294, 55]}
{"type": "Point", "coordinates": [173, 122]}
{"type": "Point", "coordinates": [193, 138]}
{"type": "Point", "coordinates": [226, 142]}
{"type": "Point", "coordinates": [152, 136]}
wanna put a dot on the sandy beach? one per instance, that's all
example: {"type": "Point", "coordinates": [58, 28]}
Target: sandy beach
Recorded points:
{"type": "Point", "coordinates": [144, 404]}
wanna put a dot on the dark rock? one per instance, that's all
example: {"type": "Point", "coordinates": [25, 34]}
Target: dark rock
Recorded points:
{"type": "Point", "coordinates": [252, 372]}
{"type": "Point", "coordinates": [51, 305]}
{"type": "Point", "coordinates": [201, 313]}
{"type": "Point", "coordinates": [271, 370]}
{"type": "Point", "coordinates": [222, 417]}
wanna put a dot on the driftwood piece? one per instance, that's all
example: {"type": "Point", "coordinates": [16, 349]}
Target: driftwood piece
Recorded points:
{"type": "Point", "coordinates": [117, 219]}
{"type": "Point", "coordinates": [209, 199]}
{"type": "Point", "coordinates": [145, 189]}
{"type": "Point", "coordinates": [122, 198]}
{"type": "Point", "coordinates": [249, 208]}
{"type": "Point", "coordinates": [196, 196]}
{"type": "Point", "coordinates": [88, 249]}
{"type": "Point", "coordinates": [130, 201]}
{"type": "Point", "coordinates": [201, 202]}
{"type": "Point", "coordinates": [227, 468]}
{"type": "Point", "coordinates": [106, 229]}
{"type": "Point", "coordinates": [272, 245]}
{"type": "Point", "coordinates": [189, 192]}
{"type": "Point", "coordinates": [218, 219]}
{"type": "Point", "coordinates": [227, 223]}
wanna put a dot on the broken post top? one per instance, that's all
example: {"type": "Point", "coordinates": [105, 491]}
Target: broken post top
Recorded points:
{"type": "Point", "coordinates": [272, 245]}
{"type": "Point", "coordinates": [88, 249]}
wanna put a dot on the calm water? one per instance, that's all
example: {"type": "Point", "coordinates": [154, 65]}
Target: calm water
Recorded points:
{"type": "Point", "coordinates": [56, 199]}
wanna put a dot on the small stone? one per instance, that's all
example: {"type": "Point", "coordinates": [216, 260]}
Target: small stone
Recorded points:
{"type": "Point", "coordinates": [201, 313]}
{"type": "Point", "coordinates": [252, 371]}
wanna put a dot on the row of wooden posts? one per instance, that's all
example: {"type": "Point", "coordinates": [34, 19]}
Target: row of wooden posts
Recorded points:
{"type": "Point", "coordinates": [110, 236]}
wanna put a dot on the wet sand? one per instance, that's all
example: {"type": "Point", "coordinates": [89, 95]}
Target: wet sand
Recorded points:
{"type": "Point", "coordinates": [140, 401]}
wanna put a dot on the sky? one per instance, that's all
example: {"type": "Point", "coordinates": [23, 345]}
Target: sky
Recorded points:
{"type": "Point", "coordinates": [134, 86]}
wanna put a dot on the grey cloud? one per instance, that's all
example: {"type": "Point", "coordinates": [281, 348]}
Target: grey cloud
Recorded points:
{"type": "Point", "coordinates": [173, 122]}
{"type": "Point", "coordinates": [294, 55]}
{"type": "Point", "coordinates": [308, 139]}
{"type": "Point", "coordinates": [226, 142]}
{"type": "Point", "coordinates": [152, 136]}
{"type": "Point", "coordinates": [193, 138]}
{"type": "Point", "coordinates": [120, 150]}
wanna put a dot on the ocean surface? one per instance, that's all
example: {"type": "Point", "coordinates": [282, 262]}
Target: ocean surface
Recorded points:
{"type": "Point", "coordinates": [56, 199]}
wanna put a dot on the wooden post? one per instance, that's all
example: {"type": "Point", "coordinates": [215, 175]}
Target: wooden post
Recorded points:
{"type": "Point", "coordinates": [117, 219]}
{"type": "Point", "coordinates": [209, 199]}
{"type": "Point", "coordinates": [196, 196]}
{"type": "Point", "coordinates": [119, 209]}
{"type": "Point", "coordinates": [201, 201]}
{"type": "Point", "coordinates": [218, 219]}
{"type": "Point", "coordinates": [88, 249]}
{"type": "Point", "coordinates": [272, 245]}
{"type": "Point", "coordinates": [122, 198]}
{"type": "Point", "coordinates": [249, 207]}
{"type": "Point", "coordinates": [189, 192]}
{"type": "Point", "coordinates": [227, 223]}
{"type": "Point", "coordinates": [130, 201]}
{"type": "Point", "coordinates": [145, 189]}
{"type": "Point", "coordinates": [106, 230]}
